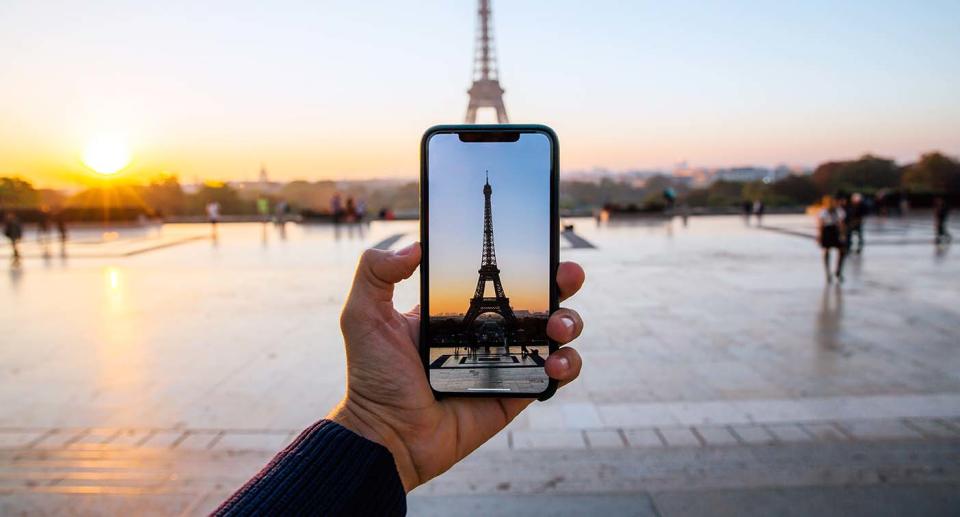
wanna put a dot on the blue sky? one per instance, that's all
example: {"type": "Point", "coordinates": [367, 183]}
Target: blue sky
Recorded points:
{"type": "Point", "coordinates": [520, 204]}
{"type": "Point", "coordinates": [344, 89]}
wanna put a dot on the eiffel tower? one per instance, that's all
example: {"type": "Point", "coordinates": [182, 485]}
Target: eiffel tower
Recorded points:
{"type": "Point", "coordinates": [489, 272]}
{"type": "Point", "coordinates": [486, 91]}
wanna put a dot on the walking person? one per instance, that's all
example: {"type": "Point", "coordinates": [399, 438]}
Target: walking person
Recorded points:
{"type": "Point", "coordinates": [213, 214]}
{"type": "Point", "coordinates": [14, 232]}
{"type": "Point", "coordinates": [61, 223]}
{"type": "Point", "coordinates": [856, 211]}
{"type": "Point", "coordinates": [263, 209]}
{"type": "Point", "coordinates": [43, 226]}
{"type": "Point", "coordinates": [336, 207]}
{"type": "Point", "coordinates": [361, 209]}
{"type": "Point", "coordinates": [280, 211]}
{"type": "Point", "coordinates": [940, 212]}
{"type": "Point", "coordinates": [831, 222]}
{"type": "Point", "coordinates": [758, 209]}
{"type": "Point", "coordinates": [351, 210]}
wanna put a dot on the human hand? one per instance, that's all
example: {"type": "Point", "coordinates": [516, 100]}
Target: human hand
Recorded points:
{"type": "Point", "coordinates": [388, 398]}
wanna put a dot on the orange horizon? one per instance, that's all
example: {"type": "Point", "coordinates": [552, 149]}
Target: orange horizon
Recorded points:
{"type": "Point", "coordinates": [451, 302]}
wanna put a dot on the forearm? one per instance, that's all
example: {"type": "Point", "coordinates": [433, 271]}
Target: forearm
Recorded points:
{"type": "Point", "coordinates": [327, 470]}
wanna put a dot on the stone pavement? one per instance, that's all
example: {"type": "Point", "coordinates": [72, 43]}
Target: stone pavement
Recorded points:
{"type": "Point", "coordinates": [720, 374]}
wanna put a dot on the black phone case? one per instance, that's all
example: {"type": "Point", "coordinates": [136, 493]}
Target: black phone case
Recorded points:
{"type": "Point", "coordinates": [425, 243]}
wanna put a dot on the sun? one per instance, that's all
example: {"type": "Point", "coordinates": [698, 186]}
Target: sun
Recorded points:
{"type": "Point", "coordinates": [106, 155]}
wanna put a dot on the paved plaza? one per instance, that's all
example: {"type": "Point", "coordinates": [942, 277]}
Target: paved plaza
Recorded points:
{"type": "Point", "coordinates": [153, 370]}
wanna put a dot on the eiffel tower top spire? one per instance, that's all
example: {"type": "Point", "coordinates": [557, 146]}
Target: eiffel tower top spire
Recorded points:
{"type": "Point", "coordinates": [486, 91]}
{"type": "Point", "coordinates": [489, 252]}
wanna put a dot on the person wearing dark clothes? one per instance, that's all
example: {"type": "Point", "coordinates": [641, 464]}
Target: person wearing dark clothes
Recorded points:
{"type": "Point", "coordinates": [758, 209]}
{"type": "Point", "coordinates": [747, 207]}
{"type": "Point", "coordinates": [830, 222]}
{"type": "Point", "coordinates": [14, 232]}
{"type": "Point", "coordinates": [43, 226]}
{"type": "Point", "coordinates": [389, 434]}
{"type": "Point", "coordinates": [350, 212]}
{"type": "Point", "coordinates": [940, 212]}
{"type": "Point", "coordinates": [856, 211]}
{"type": "Point", "coordinates": [62, 228]}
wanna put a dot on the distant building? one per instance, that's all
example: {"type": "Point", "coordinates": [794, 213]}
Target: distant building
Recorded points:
{"type": "Point", "coordinates": [263, 185]}
{"type": "Point", "coordinates": [693, 176]}
{"type": "Point", "coordinates": [743, 174]}
{"type": "Point", "coordinates": [782, 171]}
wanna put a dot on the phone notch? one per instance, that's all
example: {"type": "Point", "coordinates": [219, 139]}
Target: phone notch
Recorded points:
{"type": "Point", "coordinates": [489, 136]}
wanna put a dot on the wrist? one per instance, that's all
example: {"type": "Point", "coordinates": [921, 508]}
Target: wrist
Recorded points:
{"type": "Point", "coordinates": [364, 423]}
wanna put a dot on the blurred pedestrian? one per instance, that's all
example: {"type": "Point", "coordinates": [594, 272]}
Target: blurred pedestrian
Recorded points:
{"type": "Point", "coordinates": [882, 202]}
{"type": "Point", "coordinates": [904, 203]}
{"type": "Point", "coordinates": [361, 209]}
{"type": "Point", "coordinates": [280, 211]}
{"type": "Point", "coordinates": [669, 199]}
{"type": "Point", "coordinates": [61, 223]}
{"type": "Point", "coordinates": [263, 209]}
{"type": "Point", "coordinates": [856, 211]}
{"type": "Point", "coordinates": [350, 210]}
{"type": "Point", "coordinates": [43, 226]}
{"type": "Point", "coordinates": [758, 209]}
{"type": "Point", "coordinates": [940, 212]}
{"type": "Point", "coordinates": [336, 207]}
{"type": "Point", "coordinates": [213, 214]}
{"type": "Point", "coordinates": [14, 232]}
{"type": "Point", "coordinates": [830, 222]}
{"type": "Point", "coordinates": [747, 208]}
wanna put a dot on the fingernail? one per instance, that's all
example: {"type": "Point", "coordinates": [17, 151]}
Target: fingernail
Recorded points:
{"type": "Point", "coordinates": [567, 322]}
{"type": "Point", "coordinates": [405, 251]}
{"type": "Point", "coordinates": [564, 363]}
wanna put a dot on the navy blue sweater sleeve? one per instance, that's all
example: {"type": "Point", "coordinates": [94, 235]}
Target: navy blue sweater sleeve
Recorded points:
{"type": "Point", "coordinates": [327, 470]}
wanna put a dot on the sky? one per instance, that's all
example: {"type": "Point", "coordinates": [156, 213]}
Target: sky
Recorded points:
{"type": "Point", "coordinates": [520, 206]}
{"type": "Point", "coordinates": [324, 90]}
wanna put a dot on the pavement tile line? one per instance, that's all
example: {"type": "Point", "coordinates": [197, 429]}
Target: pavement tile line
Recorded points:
{"type": "Point", "coordinates": [704, 436]}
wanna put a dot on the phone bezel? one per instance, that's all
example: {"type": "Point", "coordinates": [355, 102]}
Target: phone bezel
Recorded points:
{"type": "Point", "coordinates": [425, 243]}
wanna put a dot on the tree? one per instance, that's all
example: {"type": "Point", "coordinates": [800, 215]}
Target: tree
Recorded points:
{"type": "Point", "coordinates": [306, 195]}
{"type": "Point", "coordinates": [164, 195]}
{"type": "Point", "coordinates": [225, 195]}
{"type": "Point", "coordinates": [725, 193]}
{"type": "Point", "coordinates": [800, 190]}
{"type": "Point", "coordinates": [869, 173]}
{"type": "Point", "coordinates": [933, 173]}
{"type": "Point", "coordinates": [15, 192]}
{"type": "Point", "coordinates": [823, 175]}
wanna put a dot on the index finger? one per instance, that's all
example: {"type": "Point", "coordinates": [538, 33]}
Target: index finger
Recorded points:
{"type": "Point", "coordinates": [570, 278]}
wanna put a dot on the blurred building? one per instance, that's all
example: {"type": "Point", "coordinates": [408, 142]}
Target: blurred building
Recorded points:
{"type": "Point", "coordinates": [263, 185]}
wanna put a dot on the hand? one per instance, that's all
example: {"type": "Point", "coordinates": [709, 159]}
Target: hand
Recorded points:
{"type": "Point", "coordinates": [388, 397]}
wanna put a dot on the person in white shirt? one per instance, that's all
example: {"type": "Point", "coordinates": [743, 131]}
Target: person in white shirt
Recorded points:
{"type": "Point", "coordinates": [213, 214]}
{"type": "Point", "coordinates": [830, 223]}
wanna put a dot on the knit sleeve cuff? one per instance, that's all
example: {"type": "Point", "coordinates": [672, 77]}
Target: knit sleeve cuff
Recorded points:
{"type": "Point", "coordinates": [327, 470]}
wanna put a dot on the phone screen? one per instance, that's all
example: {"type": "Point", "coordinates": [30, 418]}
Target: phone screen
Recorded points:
{"type": "Point", "coordinates": [489, 257]}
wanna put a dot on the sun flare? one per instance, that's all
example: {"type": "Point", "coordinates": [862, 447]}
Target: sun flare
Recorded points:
{"type": "Point", "coordinates": [106, 155]}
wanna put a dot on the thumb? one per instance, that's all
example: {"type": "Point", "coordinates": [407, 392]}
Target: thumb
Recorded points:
{"type": "Point", "coordinates": [379, 270]}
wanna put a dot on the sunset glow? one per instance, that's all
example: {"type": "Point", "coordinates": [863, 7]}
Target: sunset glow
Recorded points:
{"type": "Point", "coordinates": [742, 86]}
{"type": "Point", "coordinates": [106, 155]}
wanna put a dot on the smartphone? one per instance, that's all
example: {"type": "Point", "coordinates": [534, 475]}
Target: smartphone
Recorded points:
{"type": "Point", "coordinates": [489, 234]}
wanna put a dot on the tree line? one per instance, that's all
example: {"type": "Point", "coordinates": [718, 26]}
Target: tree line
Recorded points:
{"type": "Point", "coordinates": [933, 174]}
